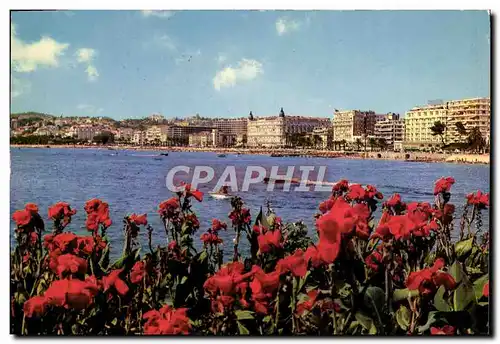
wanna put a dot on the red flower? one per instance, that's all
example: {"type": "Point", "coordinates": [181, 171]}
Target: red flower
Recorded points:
{"type": "Point", "coordinates": [138, 219]}
{"type": "Point", "coordinates": [92, 205]}
{"type": "Point", "coordinates": [312, 254]}
{"type": "Point", "coordinates": [374, 260]}
{"type": "Point", "coordinates": [486, 289]}
{"type": "Point", "coordinates": [97, 213]}
{"type": "Point", "coordinates": [71, 293]}
{"type": "Point", "coordinates": [309, 304]}
{"type": "Point", "coordinates": [426, 280]}
{"type": "Point", "coordinates": [228, 280]}
{"type": "Point", "coordinates": [68, 263]}
{"type": "Point", "coordinates": [22, 217]}
{"type": "Point", "coordinates": [356, 192]}
{"type": "Point", "coordinates": [198, 195]}
{"type": "Point", "coordinates": [87, 244]}
{"type": "Point", "coordinates": [166, 321]}
{"type": "Point", "coordinates": [443, 185]}
{"type": "Point", "coordinates": [295, 263]}
{"type": "Point", "coordinates": [34, 306]}
{"type": "Point", "coordinates": [446, 330]}
{"type": "Point", "coordinates": [113, 280]}
{"type": "Point", "coordinates": [138, 272]}
{"type": "Point", "coordinates": [31, 207]}
{"type": "Point", "coordinates": [221, 303]}
{"type": "Point", "coordinates": [169, 208]}
{"type": "Point", "coordinates": [269, 240]}
{"type": "Point", "coordinates": [400, 226]}
{"type": "Point", "coordinates": [210, 239]}
{"type": "Point", "coordinates": [372, 192]}
{"type": "Point", "coordinates": [395, 201]}
{"type": "Point", "coordinates": [65, 242]}
{"type": "Point", "coordinates": [341, 186]}
{"type": "Point", "coordinates": [33, 238]}
{"type": "Point", "coordinates": [172, 245]}
{"type": "Point", "coordinates": [479, 199]}
{"type": "Point", "coordinates": [325, 206]}
{"type": "Point", "coordinates": [217, 225]}
{"type": "Point", "coordinates": [61, 210]}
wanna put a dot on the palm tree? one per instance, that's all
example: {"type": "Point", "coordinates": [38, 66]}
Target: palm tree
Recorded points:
{"type": "Point", "coordinates": [373, 143]}
{"type": "Point", "coordinates": [382, 143]}
{"type": "Point", "coordinates": [438, 129]}
{"type": "Point", "coordinates": [359, 143]}
{"type": "Point", "coordinates": [476, 141]}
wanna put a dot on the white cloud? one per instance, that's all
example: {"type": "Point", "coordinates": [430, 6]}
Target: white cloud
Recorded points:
{"type": "Point", "coordinates": [27, 57]}
{"type": "Point", "coordinates": [221, 58]}
{"type": "Point", "coordinates": [165, 41]}
{"type": "Point", "coordinates": [19, 87]}
{"type": "Point", "coordinates": [158, 14]}
{"type": "Point", "coordinates": [245, 71]}
{"type": "Point", "coordinates": [92, 73]}
{"type": "Point", "coordinates": [284, 25]}
{"type": "Point", "coordinates": [187, 57]}
{"type": "Point", "coordinates": [89, 109]}
{"type": "Point", "coordinates": [87, 56]}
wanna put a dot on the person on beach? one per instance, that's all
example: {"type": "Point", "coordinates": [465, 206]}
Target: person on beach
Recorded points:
{"type": "Point", "coordinates": [223, 190]}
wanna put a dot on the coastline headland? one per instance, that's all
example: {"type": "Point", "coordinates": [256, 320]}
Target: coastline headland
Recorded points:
{"type": "Point", "coordinates": [291, 152]}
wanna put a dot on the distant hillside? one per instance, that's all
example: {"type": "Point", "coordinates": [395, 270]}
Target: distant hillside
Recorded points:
{"type": "Point", "coordinates": [31, 114]}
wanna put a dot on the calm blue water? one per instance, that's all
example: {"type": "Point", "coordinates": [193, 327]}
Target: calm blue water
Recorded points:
{"type": "Point", "coordinates": [133, 181]}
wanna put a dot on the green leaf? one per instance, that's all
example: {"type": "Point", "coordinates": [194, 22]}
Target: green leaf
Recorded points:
{"type": "Point", "coordinates": [243, 330]}
{"type": "Point", "coordinates": [439, 302]}
{"type": "Point", "coordinates": [462, 296]}
{"type": "Point", "coordinates": [403, 316]}
{"type": "Point", "coordinates": [243, 315]}
{"type": "Point", "coordinates": [203, 256]}
{"type": "Point", "coordinates": [375, 297]}
{"type": "Point", "coordinates": [114, 321]}
{"type": "Point", "coordinates": [303, 281]}
{"type": "Point", "coordinates": [119, 263]}
{"type": "Point", "coordinates": [403, 294]}
{"type": "Point", "coordinates": [431, 319]}
{"type": "Point", "coordinates": [184, 279]}
{"type": "Point", "coordinates": [104, 261]}
{"type": "Point", "coordinates": [479, 285]}
{"type": "Point", "coordinates": [267, 319]}
{"type": "Point", "coordinates": [364, 320]}
{"type": "Point", "coordinates": [464, 248]}
{"type": "Point", "coordinates": [457, 272]}
{"type": "Point", "coordinates": [373, 330]}
{"type": "Point", "coordinates": [261, 219]}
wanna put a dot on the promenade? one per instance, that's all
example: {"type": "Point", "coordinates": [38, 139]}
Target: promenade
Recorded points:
{"type": "Point", "coordinates": [282, 152]}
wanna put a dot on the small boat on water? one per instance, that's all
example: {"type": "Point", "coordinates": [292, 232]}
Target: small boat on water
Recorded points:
{"type": "Point", "coordinates": [221, 155]}
{"type": "Point", "coordinates": [282, 181]}
{"type": "Point", "coordinates": [217, 195]}
{"type": "Point", "coordinates": [157, 158]}
{"type": "Point", "coordinates": [164, 154]}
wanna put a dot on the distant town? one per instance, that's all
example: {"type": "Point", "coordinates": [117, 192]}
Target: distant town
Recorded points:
{"type": "Point", "coordinates": [456, 125]}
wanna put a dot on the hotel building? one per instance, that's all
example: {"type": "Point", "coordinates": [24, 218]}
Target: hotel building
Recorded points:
{"type": "Point", "coordinates": [391, 128]}
{"type": "Point", "coordinates": [471, 113]}
{"type": "Point", "coordinates": [351, 125]}
{"type": "Point", "coordinates": [275, 131]}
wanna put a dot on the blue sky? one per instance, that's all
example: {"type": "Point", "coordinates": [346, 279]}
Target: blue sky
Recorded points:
{"type": "Point", "coordinates": [129, 64]}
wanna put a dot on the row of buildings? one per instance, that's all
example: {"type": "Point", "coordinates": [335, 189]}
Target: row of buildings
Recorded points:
{"type": "Point", "coordinates": [414, 130]}
{"type": "Point", "coordinates": [351, 128]}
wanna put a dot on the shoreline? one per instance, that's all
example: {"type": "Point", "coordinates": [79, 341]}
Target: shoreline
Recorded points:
{"type": "Point", "coordinates": [473, 159]}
